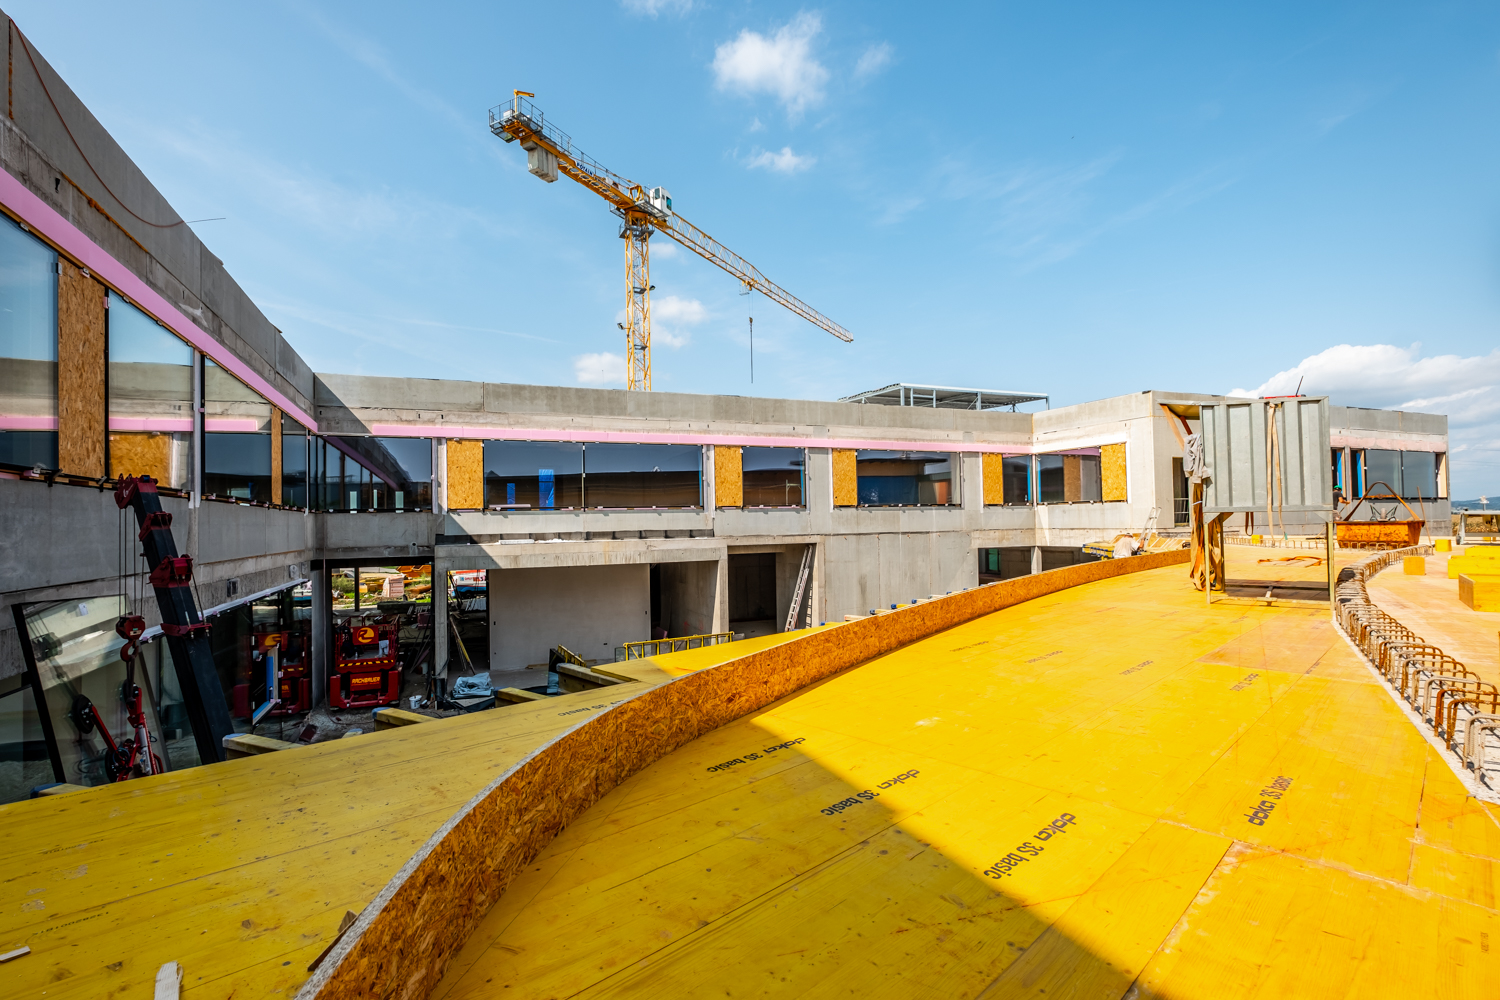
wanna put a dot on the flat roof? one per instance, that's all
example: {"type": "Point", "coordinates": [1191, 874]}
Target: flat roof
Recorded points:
{"type": "Point", "coordinates": [946, 397]}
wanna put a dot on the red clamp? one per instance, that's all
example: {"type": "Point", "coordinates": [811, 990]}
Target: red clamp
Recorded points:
{"type": "Point", "coordinates": [173, 571]}
{"type": "Point", "coordinates": [156, 519]}
{"type": "Point", "coordinates": [185, 630]}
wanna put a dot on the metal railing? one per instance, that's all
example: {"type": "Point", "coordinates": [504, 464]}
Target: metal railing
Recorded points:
{"type": "Point", "coordinates": [656, 647]}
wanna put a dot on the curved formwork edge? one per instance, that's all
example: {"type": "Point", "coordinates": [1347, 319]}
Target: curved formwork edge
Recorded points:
{"type": "Point", "coordinates": [402, 942]}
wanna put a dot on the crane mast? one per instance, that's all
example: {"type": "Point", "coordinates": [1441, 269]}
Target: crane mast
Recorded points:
{"type": "Point", "coordinates": [550, 152]}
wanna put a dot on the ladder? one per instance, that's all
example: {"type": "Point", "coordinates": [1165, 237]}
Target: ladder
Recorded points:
{"type": "Point", "coordinates": [802, 575]}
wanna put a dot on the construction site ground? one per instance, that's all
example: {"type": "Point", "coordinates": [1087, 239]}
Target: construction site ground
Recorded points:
{"type": "Point", "coordinates": [1055, 799]}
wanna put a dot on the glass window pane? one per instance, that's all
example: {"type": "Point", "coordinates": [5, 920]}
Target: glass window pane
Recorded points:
{"type": "Point", "coordinates": [1383, 467]}
{"type": "Point", "coordinates": [150, 397]}
{"type": "Point", "coordinates": [236, 439]}
{"type": "Point", "coordinates": [294, 475]}
{"type": "Point", "coordinates": [533, 475]}
{"type": "Point", "coordinates": [1419, 475]}
{"type": "Point", "coordinates": [905, 478]}
{"type": "Point", "coordinates": [28, 350]}
{"type": "Point", "coordinates": [410, 459]}
{"type": "Point", "coordinates": [1070, 477]}
{"type": "Point", "coordinates": [1015, 478]}
{"type": "Point", "coordinates": [76, 650]}
{"type": "Point", "coordinates": [773, 477]}
{"type": "Point", "coordinates": [643, 475]}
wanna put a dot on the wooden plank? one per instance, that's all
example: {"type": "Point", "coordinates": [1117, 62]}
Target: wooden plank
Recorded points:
{"type": "Point", "coordinates": [845, 478]}
{"type": "Point", "coordinates": [394, 718]}
{"type": "Point", "coordinates": [518, 695]}
{"type": "Point", "coordinates": [248, 745]}
{"type": "Point", "coordinates": [81, 392]}
{"type": "Point", "coordinates": [465, 474]}
{"type": "Point", "coordinates": [275, 455]}
{"type": "Point", "coordinates": [729, 477]}
{"type": "Point", "coordinates": [994, 478]}
{"type": "Point", "coordinates": [1112, 473]}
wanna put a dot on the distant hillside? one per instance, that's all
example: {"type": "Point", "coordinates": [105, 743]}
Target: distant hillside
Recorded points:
{"type": "Point", "coordinates": [1475, 505]}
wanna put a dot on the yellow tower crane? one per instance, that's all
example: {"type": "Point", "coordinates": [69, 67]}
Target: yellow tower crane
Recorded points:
{"type": "Point", "coordinates": [550, 151]}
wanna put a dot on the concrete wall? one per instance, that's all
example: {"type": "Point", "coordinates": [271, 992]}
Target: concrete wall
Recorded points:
{"type": "Point", "coordinates": [691, 598]}
{"type": "Point", "coordinates": [590, 610]}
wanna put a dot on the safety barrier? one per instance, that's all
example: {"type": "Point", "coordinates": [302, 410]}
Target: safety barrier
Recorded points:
{"type": "Point", "coordinates": [656, 647]}
{"type": "Point", "coordinates": [1462, 709]}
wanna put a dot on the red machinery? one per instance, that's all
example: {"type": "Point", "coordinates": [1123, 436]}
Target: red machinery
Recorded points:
{"type": "Point", "coordinates": [366, 671]}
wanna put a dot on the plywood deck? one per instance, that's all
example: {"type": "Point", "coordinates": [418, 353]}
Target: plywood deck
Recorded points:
{"type": "Point", "coordinates": [1143, 723]}
{"type": "Point", "coordinates": [1429, 606]}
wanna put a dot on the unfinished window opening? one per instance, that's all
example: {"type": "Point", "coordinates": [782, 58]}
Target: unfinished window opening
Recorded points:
{"type": "Point", "coordinates": [25, 760]}
{"type": "Point", "coordinates": [1072, 476]}
{"type": "Point", "coordinates": [533, 475]}
{"type": "Point", "coordinates": [1004, 563]}
{"type": "Point", "coordinates": [1015, 475]}
{"type": "Point", "coordinates": [295, 455]}
{"type": "Point", "coordinates": [773, 477]}
{"type": "Point", "coordinates": [1180, 494]}
{"type": "Point", "coordinates": [28, 350]}
{"type": "Point", "coordinates": [906, 479]}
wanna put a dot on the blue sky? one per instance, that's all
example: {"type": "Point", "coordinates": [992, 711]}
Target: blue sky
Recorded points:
{"type": "Point", "coordinates": [1084, 200]}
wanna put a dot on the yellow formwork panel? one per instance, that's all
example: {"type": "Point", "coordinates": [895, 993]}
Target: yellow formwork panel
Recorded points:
{"type": "Point", "coordinates": [1479, 593]}
{"type": "Point", "coordinates": [1060, 799]}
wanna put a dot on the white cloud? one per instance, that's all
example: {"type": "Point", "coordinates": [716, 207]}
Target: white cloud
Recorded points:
{"type": "Point", "coordinates": [756, 126]}
{"type": "Point", "coordinates": [1384, 376]}
{"type": "Point", "coordinates": [668, 314]}
{"type": "Point", "coordinates": [678, 310]}
{"type": "Point", "coordinates": [665, 249]}
{"type": "Point", "coordinates": [874, 59]}
{"type": "Point", "coordinates": [782, 65]}
{"type": "Point", "coordinates": [603, 368]}
{"type": "Point", "coordinates": [651, 8]}
{"type": "Point", "coordinates": [784, 162]}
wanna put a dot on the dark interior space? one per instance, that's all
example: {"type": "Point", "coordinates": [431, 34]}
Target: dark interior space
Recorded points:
{"type": "Point", "coordinates": [752, 587]}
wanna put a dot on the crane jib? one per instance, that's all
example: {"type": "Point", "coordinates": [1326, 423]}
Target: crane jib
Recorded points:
{"type": "Point", "coordinates": [520, 120]}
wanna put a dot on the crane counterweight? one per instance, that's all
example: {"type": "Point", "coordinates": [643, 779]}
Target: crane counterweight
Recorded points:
{"type": "Point", "coordinates": [550, 152]}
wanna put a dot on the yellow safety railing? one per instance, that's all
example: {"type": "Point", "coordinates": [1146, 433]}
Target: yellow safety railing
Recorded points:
{"type": "Point", "coordinates": [656, 647]}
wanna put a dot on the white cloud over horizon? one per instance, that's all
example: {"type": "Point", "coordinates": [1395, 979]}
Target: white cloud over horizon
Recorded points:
{"type": "Point", "coordinates": [1387, 377]}
{"type": "Point", "coordinates": [782, 64]}
{"type": "Point", "coordinates": [603, 368]}
{"type": "Point", "coordinates": [784, 162]}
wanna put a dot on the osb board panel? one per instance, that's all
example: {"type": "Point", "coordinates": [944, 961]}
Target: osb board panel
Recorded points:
{"type": "Point", "coordinates": [81, 398]}
{"type": "Point", "coordinates": [403, 941]}
{"type": "Point", "coordinates": [275, 455]}
{"type": "Point", "coordinates": [1112, 471]}
{"type": "Point", "coordinates": [729, 476]}
{"type": "Point", "coordinates": [141, 455]}
{"type": "Point", "coordinates": [845, 478]}
{"type": "Point", "coordinates": [465, 474]}
{"type": "Point", "coordinates": [994, 480]}
{"type": "Point", "coordinates": [1072, 478]}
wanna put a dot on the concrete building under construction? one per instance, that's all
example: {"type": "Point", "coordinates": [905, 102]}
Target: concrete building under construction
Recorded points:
{"type": "Point", "coordinates": [667, 694]}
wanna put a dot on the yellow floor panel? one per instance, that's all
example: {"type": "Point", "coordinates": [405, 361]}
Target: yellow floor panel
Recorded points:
{"type": "Point", "coordinates": [1110, 788]}
{"type": "Point", "coordinates": [1105, 790]}
{"type": "Point", "coordinates": [1429, 606]}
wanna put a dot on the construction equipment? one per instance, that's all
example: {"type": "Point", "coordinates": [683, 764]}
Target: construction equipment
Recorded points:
{"type": "Point", "coordinates": [186, 632]}
{"type": "Point", "coordinates": [550, 151]}
{"type": "Point", "coordinates": [366, 672]}
{"type": "Point", "coordinates": [1383, 530]}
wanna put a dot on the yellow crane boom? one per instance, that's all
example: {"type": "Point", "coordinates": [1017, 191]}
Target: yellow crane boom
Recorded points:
{"type": "Point", "coordinates": [550, 152]}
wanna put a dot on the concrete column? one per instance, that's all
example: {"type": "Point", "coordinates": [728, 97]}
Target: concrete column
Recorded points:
{"type": "Point", "coordinates": [1036, 558]}
{"type": "Point", "coordinates": [321, 654]}
{"type": "Point", "coordinates": [721, 593]}
{"type": "Point", "coordinates": [440, 617]}
{"type": "Point", "coordinates": [440, 475]}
